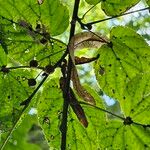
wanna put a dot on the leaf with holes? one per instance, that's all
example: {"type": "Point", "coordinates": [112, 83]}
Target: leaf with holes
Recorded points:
{"type": "Point", "coordinates": [126, 56]}
{"type": "Point", "coordinates": [13, 90]}
{"type": "Point", "coordinates": [50, 115]}
{"type": "Point", "coordinates": [50, 111]}
{"type": "Point", "coordinates": [136, 100]}
{"type": "Point", "coordinates": [31, 12]}
{"type": "Point", "coordinates": [117, 7]}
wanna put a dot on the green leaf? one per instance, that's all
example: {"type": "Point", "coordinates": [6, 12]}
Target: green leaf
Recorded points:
{"type": "Point", "coordinates": [26, 36]}
{"type": "Point", "coordinates": [148, 2]}
{"type": "Point", "coordinates": [117, 7]}
{"type": "Point", "coordinates": [116, 135]}
{"type": "Point", "coordinates": [19, 138]}
{"type": "Point", "coordinates": [93, 2]}
{"type": "Point", "coordinates": [126, 56]}
{"type": "Point", "coordinates": [24, 47]}
{"type": "Point", "coordinates": [3, 48]}
{"type": "Point", "coordinates": [3, 57]}
{"type": "Point", "coordinates": [82, 138]}
{"type": "Point", "coordinates": [52, 14]}
{"type": "Point", "coordinates": [136, 102]}
{"type": "Point", "coordinates": [49, 112]}
{"type": "Point", "coordinates": [13, 90]}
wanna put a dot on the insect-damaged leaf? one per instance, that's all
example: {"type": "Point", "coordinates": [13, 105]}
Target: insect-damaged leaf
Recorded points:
{"type": "Point", "coordinates": [136, 100]}
{"type": "Point", "coordinates": [50, 112]}
{"type": "Point", "coordinates": [13, 90]}
{"type": "Point", "coordinates": [117, 7]}
{"type": "Point", "coordinates": [126, 78]}
{"type": "Point", "coordinates": [50, 117]}
{"type": "Point", "coordinates": [126, 56]}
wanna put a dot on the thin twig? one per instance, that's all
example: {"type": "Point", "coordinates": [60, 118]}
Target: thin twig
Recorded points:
{"type": "Point", "coordinates": [23, 67]}
{"type": "Point", "coordinates": [143, 125]}
{"type": "Point", "coordinates": [88, 11]}
{"type": "Point", "coordinates": [87, 25]}
{"type": "Point", "coordinates": [104, 110]}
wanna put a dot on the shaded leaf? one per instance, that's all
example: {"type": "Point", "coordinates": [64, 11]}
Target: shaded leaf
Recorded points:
{"type": "Point", "coordinates": [148, 2]}
{"type": "Point", "coordinates": [19, 139]}
{"type": "Point", "coordinates": [93, 2]}
{"type": "Point", "coordinates": [49, 112]}
{"type": "Point", "coordinates": [13, 90]}
{"type": "Point", "coordinates": [117, 7]}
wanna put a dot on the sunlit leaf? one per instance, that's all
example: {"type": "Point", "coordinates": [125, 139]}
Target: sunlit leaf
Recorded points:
{"type": "Point", "coordinates": [32, 12]}
{"type": "Point", "coordinates": [126, 56]}
{"type": "Point", "coordinates": [116, 135]}
{"type": "Point", "coordinates": [26, 36]}
{"type": "Point", "coordinates": [116, 7]}
{"type": "Point", "coordinates": [136, 101]}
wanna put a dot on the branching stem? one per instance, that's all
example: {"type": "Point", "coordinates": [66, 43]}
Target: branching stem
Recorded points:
{"type": "Point", "coordinates": [87, 25]}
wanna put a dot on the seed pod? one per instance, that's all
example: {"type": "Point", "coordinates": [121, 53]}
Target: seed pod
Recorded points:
{"type": "Point", "coordinates": [78, 110]}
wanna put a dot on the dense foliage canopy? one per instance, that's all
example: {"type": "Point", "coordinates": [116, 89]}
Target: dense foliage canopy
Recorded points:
{"type": "Point", "coordinates": [41, 98]}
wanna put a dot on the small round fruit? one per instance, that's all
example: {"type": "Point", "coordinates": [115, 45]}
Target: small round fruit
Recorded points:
{"type": "Point", "coordinates": [31, 82]}
{"type": "Point", "coordinates": [49, 69]}
{"type": "Point", "coordinates": [33, 63]}
{"type": "Point", "coordinates": [4, 69]}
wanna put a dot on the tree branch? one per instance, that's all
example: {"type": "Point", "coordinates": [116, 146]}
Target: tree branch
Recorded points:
{"type": "Point", "coordinates": [63, 126]}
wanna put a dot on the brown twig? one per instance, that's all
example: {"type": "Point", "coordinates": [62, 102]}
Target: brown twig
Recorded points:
{"type": "Point", "coordinates": [66, 96]}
